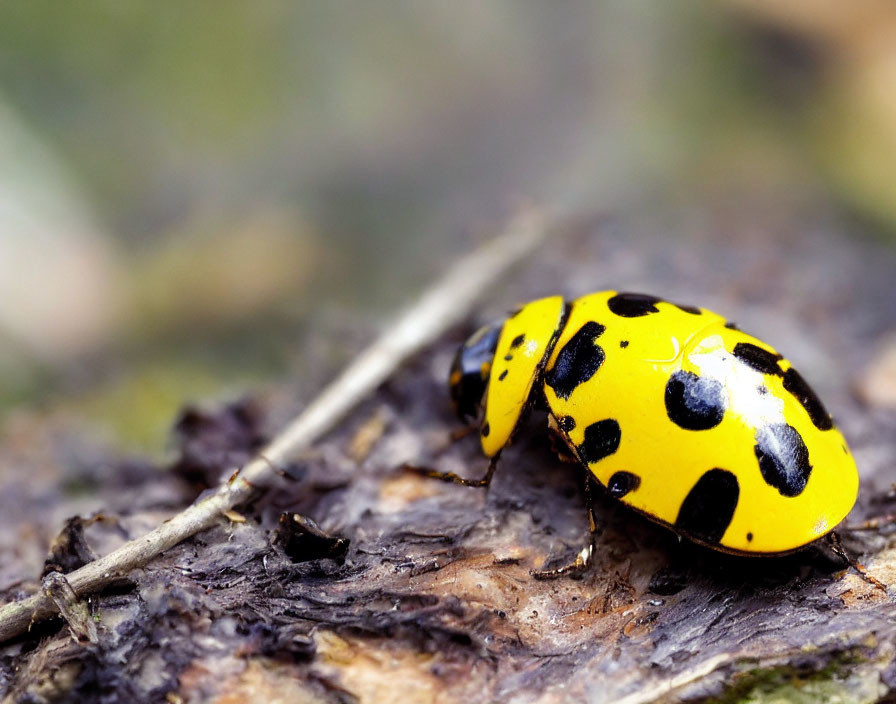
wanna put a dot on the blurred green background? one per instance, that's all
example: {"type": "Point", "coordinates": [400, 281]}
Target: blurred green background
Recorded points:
{"type": "Point", "coordinates": [195, 194]}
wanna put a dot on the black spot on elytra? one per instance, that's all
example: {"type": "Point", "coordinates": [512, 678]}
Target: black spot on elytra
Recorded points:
{"type": "Point", "coordinates": [708, 508]}
{"type": "Point", "coordinates": [749, 537]}
{"type": "Point", "coordinates": [502, 375]}
{"type": "Point", "coordinates": [566, 424]}
{"type": "Point", "coordinates": [622, 483]}
{"type": "Point", "coordinates": [517, 341]}
{"type": "Point", "coordinates": [783, 458]}
{"type": "Point", "coordinates": [693, 310]}
{"type": "Point", "coordinates": [694, 402]}
{"type": "Point", "coordinates": [633, 305]}
{"type": "Point", "coordinates": [623, 343]}
{"type": "Point", "coordinates": [757, 358]}
{"type": "Point", "coordinates": [508, 357]}
{"type": "Point", "coordinates": [796, 385]}
{"type": "Point", "coordinates": [731, 325]}
{"type": "Point", "coordinates": [486, 429]}
{"type": "Point", "coordinates": [601, 440]}
{"type": "Point", "coordinates": [578, 361]}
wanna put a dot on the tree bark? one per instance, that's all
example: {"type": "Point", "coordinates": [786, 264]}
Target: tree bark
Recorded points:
{"type": "Point", "coordinates": [432, 601]}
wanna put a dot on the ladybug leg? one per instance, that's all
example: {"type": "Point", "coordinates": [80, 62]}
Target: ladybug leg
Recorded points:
{"type": "Point", "coordinates": [837, 548]}
{"type": "Point", "coordinates": [582, 561]}
{"type": "Point", "coordinates": [484, 481]}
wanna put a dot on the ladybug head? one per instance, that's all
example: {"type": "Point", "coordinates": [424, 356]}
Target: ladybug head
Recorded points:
{"type": "Point", "coordinates": [470, 369]}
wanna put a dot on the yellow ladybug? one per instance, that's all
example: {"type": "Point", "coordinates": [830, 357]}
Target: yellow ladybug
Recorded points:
{"type": "Point", "coordinates": [676, 412]}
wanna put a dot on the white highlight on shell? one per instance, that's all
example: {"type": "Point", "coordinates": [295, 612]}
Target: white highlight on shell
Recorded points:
{"type": "Point", "coordinates": [741, 383]}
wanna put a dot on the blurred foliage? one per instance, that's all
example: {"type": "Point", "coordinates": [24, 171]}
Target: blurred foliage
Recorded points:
{"type": "Point", "coordinates": [117, 86]}
{"type": "Point", "coordinates": [241, 170]}
{"type": "Point", "coordinates": [849, 104]}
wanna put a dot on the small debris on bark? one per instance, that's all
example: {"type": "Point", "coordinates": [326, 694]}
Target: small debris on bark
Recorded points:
{"type": "Point", "coordinates": [302, 540]}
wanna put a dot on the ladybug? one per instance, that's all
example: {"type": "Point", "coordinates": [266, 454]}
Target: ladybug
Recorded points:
{"type": "Point", "coordinates": [673, 410]}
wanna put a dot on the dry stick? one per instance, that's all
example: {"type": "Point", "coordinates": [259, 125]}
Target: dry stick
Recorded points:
{"type": "Point", "coordinates": [442, 306]}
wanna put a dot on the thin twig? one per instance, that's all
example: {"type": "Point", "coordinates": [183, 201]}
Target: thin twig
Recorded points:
{"type": "Point", "coordinates": [443, 305]}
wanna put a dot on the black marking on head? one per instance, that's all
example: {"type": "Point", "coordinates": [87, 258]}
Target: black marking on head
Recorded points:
{"type": "Point", "coordinates": [749, 537]}
{"type": "Point", "coordinates": [517, 341]}
{"type": "Point", "coordinates": [502, 375]}
{"type": "Point", "coordinates": [633, 305]}
{"type": "Point", "coordinates": [622, 483]}
{"type": "Point", "coordinates": [783, 458]}
{"type": "Point", "coordinates": [757, 358]}
{"type": "Point", "coordinates": [578, 361]}
{"type": "Point", "coordinates": [467, 384]}
{"type": "Point", "coordinates": [601, 440]}
{"type": "Point", "coordinates": [694, 402]}
{"type": "Point", "coordinates": [623, 343]}
{"type": "Point", "coordinates": [731, 325]}
{"type": "Point", "coordinates": [566, 424]}
{"type": "Point", "coordinates": [486, 429]}
{"type": "Point", "coordinates": [796, 385]}
{"type": "Point", "coordinates": [693, 310]}
{"type": "Point", "coordinates": [708, 508]}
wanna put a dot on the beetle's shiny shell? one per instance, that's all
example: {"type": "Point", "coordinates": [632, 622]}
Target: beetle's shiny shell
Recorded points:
{"type": "Point", "coordinates": [694, 423]}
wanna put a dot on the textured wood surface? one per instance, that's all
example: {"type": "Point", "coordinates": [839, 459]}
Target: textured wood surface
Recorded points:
{"type": "Point", "coordinates": [433, 601]}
